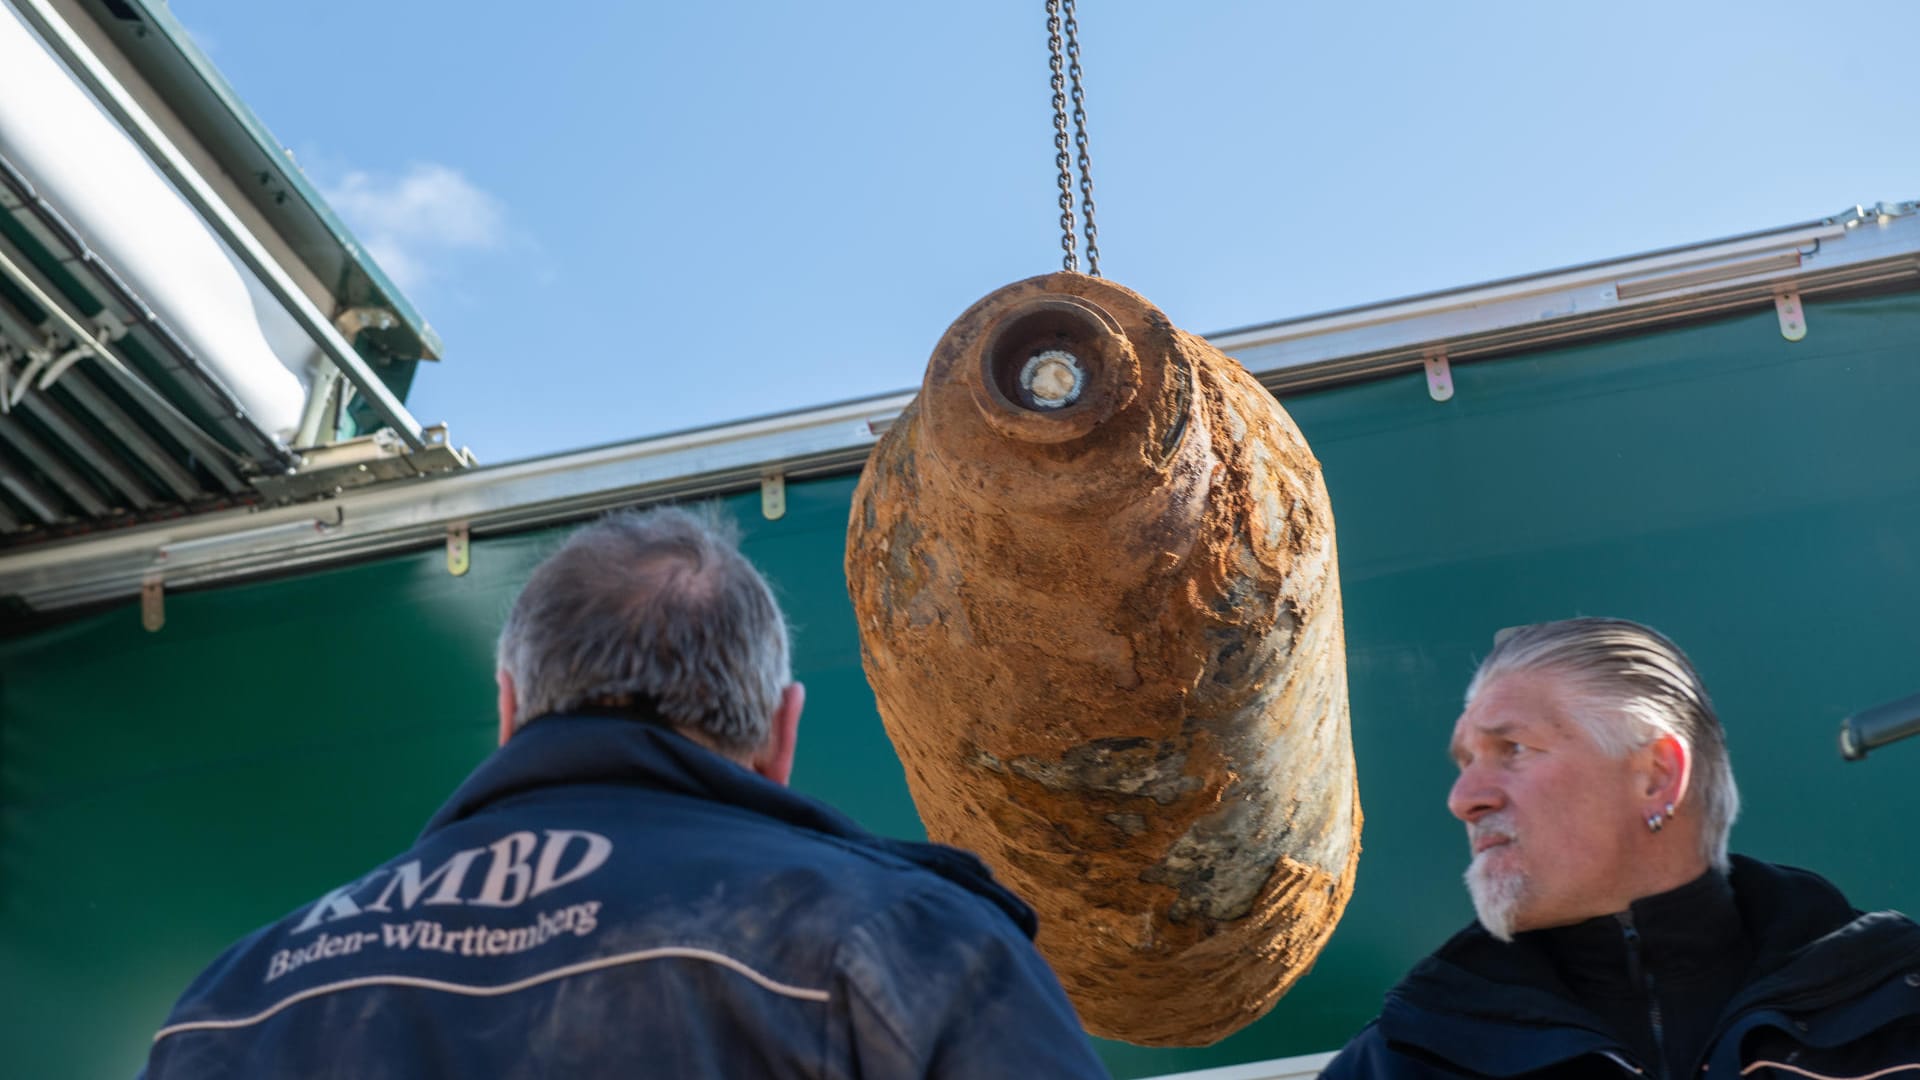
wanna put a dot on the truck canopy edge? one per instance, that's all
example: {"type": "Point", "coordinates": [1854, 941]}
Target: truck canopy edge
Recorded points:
{"type": "Point", "coordinates": [1863, 248]}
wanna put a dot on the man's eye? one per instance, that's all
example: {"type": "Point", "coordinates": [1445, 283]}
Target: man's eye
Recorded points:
{"type": "Point", "coordinates": [1514, 749]}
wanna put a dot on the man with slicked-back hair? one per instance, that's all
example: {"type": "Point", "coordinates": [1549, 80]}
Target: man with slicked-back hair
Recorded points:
{"type": "Point", "coordinates": [1616, 936]}
{"type": "Point", "coordinates": [627, 888]}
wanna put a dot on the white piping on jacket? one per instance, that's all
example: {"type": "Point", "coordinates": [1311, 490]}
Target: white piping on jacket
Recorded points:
{"type": "Point", "coordinates": [1824, 1076]}
{"type": "Point", "coordinates": [1621, 1061]}
{"type": "Point", "coordinates": [583, 967]}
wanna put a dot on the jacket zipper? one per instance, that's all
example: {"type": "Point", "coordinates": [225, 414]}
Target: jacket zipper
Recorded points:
{"type": "Point", "coordinates": [1643, 978]}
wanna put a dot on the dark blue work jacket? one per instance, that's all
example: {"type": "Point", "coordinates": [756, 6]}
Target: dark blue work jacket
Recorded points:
{"type": "Point", "coordinates": [604, 897]}
{"type": "Point", "coordinates": [1832, 993]}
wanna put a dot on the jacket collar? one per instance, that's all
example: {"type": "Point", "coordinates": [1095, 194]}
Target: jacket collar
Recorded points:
{"type": "Point", "coordinates": [1817, 949]}
{"type": "Point", "coordinates": [639, 751]}
{"type": "Point", "coordinates": [1684, 933]}
{"type": "Point", "coordinates": [1503, 1009]}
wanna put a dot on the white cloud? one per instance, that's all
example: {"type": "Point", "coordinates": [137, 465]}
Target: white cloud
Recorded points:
{"type": "Point", "coordinates": [409, 223]}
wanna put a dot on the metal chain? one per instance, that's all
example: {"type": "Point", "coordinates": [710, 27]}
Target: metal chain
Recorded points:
{"type": "Point", "coordinates": [1070, 261]}
{"type": "Point", "coordinates": [1080, 138]}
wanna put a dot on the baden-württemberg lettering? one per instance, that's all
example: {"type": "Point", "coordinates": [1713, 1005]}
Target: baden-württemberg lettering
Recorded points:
{"type": "Point", "coordinates": [426, 935]}
{"type": "Point", "coordinates": [324, 947]}
{"type": "Point", "coordinates": [577, 919]}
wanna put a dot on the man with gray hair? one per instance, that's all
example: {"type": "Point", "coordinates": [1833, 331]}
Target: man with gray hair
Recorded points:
{"type": "Point", "coordinates": [628, 888]}
{"type": "Point", "coordinates": [1616, 935]}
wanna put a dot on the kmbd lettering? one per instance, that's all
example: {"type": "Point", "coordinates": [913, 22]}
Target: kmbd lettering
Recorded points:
{"type": "Point", "coordinates": [514, 869]}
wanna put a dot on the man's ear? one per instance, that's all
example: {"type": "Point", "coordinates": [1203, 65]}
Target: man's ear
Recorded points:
{"type": "Point", "coordinates": [507, 703]}
{"type": "Point", "coordinates": [774, 760]}
{"type": "Point", "coordinates": [1669, 769]}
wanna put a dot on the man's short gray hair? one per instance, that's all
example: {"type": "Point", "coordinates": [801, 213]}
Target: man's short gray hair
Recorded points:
{"type": "Point", "coordinates": [656, 607]}
{"type": "Point", "coordinates": [1634, 686]}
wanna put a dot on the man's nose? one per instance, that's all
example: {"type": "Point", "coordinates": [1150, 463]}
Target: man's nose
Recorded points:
{"type": "Point", "coordinates": [1474, 796]}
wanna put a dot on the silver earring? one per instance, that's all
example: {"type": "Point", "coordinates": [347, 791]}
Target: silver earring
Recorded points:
{"type": "Point", "coordinates": [1658, 820]}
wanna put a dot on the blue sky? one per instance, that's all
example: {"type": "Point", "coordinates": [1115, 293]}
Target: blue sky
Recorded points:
{"type": "Point", "coordinates": [630, 218]}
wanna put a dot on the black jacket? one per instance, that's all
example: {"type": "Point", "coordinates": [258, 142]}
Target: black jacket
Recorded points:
{"type": "Point", "coordinates": [1831, 993]}
{"type": "Point", "coordinates": [606, 898]}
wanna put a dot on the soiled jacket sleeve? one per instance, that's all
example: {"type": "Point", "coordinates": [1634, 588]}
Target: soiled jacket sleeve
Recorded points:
{"type": "Point", "coordinates": [940, 984]}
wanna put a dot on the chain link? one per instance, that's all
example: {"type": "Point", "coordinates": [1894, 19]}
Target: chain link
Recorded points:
{"type": "Point", "coordinates": [1080, 138]}
{"type": "Point", "coordinates": [1070, 261]}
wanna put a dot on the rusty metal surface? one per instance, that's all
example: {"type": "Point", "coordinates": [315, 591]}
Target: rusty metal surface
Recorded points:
{"type": "Point", "coordinates": [1105, 638]}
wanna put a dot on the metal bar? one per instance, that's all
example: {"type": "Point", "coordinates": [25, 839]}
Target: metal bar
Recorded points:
{"type": "Point", "coordinates": [313, 417]}
{"type": "Point", "coordinates": [30, 495]}
{"type": "Point", "coordinates": [19, 340]}
{"type": "Point", "coordinates": [1475, 296]}
{"type": "Point", "coordinates": [137, 314]}
{"type": "Point", "coordinates": [15, 326]}
{"type": "Point", "coordinates": [190, 437]}
{"type": "Point", "coordinates": [1367, 343]}
{"type": "Point", "coordinates": [178, 423]}
{"type": "Point", "coordinates": [151, 454]}
{"type": "Point", "coordinates": [9, 521]}
{"type": "Point", "coordinates": [1659, 281]}
{"type": "Point", "coordinates": [80, 442]}
{"type": "Point", "coordinates": [140, 127]}
{"type": "Point", "coordinates": [1300, 366]}
{"type": "Point", "coordinates": [1302, 1067]}
{"type": "Point", "coordinates": [1870, 729]}
{"type": "Point", "coordinates": [226, 544]}
{"type": "Point", "coordinates": [54, 467]}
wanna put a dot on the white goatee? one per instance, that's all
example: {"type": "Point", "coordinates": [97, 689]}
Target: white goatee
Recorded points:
{"type": "Point", "coordinates": [1496, 892]}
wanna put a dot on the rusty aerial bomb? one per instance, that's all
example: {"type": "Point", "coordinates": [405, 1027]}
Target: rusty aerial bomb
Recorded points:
{"type": "Point", "coordinates": [1093, 568]}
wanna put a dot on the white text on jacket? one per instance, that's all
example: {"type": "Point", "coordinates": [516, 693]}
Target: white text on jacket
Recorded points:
{"type": "Point", "coordinates": [518, 867]}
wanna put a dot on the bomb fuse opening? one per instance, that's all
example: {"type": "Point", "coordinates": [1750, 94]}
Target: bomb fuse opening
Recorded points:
{"type": "Point", "coordinates": [1052, 379]}
{"type": "Point", "coordinates": [1052, 369]}
{"type": "Point", "coordinates": [1045, 355]}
